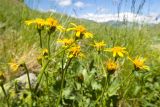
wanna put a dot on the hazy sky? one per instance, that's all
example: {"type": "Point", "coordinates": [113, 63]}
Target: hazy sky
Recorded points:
{"type": "Point", "coordinates": [97, 8]}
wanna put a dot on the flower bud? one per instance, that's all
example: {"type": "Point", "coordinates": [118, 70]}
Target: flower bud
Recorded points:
{"type": "Point", "coordinates": [2, 78]}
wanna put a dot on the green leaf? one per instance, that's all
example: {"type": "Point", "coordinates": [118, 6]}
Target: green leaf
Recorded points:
{"type": "Point", "coordinates": [95, 85]}
{"type": "Point", "coordinates": [66, 92]}
{"type": "Point", "coordinates": [114, 87]}
{"type": "Point", "coordinates": [137, 90]}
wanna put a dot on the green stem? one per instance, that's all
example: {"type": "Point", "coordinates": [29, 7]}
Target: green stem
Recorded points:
{"type": "Point", "coordinates": [127, 86]}
{"type": "Point", "coordinates": [29, 82]}
{"type": "Point", "coordinates": [5, 95]}
{"type": "Point", "coordinates": [106, 83]}
{"type": "Point", "coordinates": [49, 37]}
{"type": "Point", "coordinates": [41, 75]}
{"type": "Point", "coordinates": [63, 78]}
{"type": "Point", "coordinates": [82, 93]}
{"type": "Point", "coordinates": [46, 75]}
{"type": "Point", "coordinates": [123, 81]}
{"type": "Point", "coordinates": [40, 38]}
{"type": "Point", "coordinates": [116, 58]}
{"type": "Point", "coordinates": [102, 91]}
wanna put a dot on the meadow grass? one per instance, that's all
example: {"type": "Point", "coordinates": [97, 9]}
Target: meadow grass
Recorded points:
{"type": "Point", "coordinates": [82, 81]}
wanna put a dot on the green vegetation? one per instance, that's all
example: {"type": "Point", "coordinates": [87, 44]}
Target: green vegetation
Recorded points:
{"type": "Point", "coordinates": [82, 79]}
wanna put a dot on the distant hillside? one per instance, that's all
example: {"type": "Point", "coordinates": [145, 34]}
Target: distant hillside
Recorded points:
{"type": "Point", "coordinates": [14, 12]}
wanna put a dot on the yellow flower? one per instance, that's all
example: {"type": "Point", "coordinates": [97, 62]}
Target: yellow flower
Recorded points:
{"type": "Point", "coordinates": [39, 59]}
{"type": "Point", "coordinates": [139, 63]}
{"type": "Point", "coordinates": [80, 31]}
{"type": "Point", "coordinates": [45, 52]}
{"type": "Point", "coordinates": [117, 51]}
{"type": "Point", "coordinates": [66, 42]}
{"type": "Point", "coordinates": [53, 24]}
{"type": "Point", "coordinates": [43, 55]}
{"type": "Point", "coordinates": [75, 52]}
{"type": "Point", "coordinates": [38, 21]}
{"type": "Point", "coordinates": [99, 45]}
{"type": "Point", "coordinates": [111, 66]}
{"type": "Point", "coordinates": [28, 22]}
{"type": "Point", "coordinates": [14, 66]}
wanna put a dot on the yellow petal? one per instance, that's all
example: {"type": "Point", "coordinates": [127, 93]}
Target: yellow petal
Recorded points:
{"type": "Point", "coordinates": [70, 56]}
{"type": "Point", "coordinates": [114, 54]}
{"type": "Point", "coordinates": [88, 35]}
{"type": "Point", "coordinates": [14, 67]}
{"type": "Point", "coordinates": [120, 54]}
{"type": "Point", "coordinates": [60, 28]}
{"type": "Point", "coordinates": [146, 67]}
{"type": "Point", "coordinates": [78, 34]}
{"type": "Point", "coordinates": [69, 29]}
{"type": "Point", "coordinates": [28, 22]}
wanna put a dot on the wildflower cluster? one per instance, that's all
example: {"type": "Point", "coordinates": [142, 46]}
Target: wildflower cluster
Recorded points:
{"type": "Point", "coordinates": [63, 72]}
{"type": "Point", "coordinates": [73, 46]}
{"type": "Point", "coordinates": [40, 23]}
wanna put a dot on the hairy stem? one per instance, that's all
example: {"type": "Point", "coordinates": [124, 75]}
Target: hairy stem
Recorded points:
{"type": "Point", "coordinates": [29, 82]}
{"type": "Point", "coordinates": [49, 37]}
{"type": "Point", "coordinates": [40, 38]}
{"type": "Point", "coordinates": [5, 95]}
{"type": "Point", "coordinates": [41, 75]}
{"type": "Point", "coordinates": [63, 78]}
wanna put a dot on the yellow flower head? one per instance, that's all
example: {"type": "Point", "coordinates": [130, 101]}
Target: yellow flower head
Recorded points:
{"type": "Point", "coordinates": [66, 42]}
{"type": "Point", "coordinates": [53, 24]}
{"type": "Point", "coordinates": [111, 66]}
{"type": "Point", "coordinates": [43, 55]}
{"type": "Point", "coordinates": [139, 63]}
{"type": "Point", "coordinates": [39, 59]}
{"type": "Point", "coordinates": [14, 66]}
{"type": "Point", "coordinates": [38, 21]}
{"type": "Point", "coordinates": [99, 45]}
{"type": "Point", "coordinates": [80, 31]}
{"type": "Point", "coordinates": [117, 51]}
{"type": "Point", "coordinates": [75, 52]}
{"type": "Point", "coordinates": [80, 28]}
{"type": "Point", "coordinates": [45, 52]}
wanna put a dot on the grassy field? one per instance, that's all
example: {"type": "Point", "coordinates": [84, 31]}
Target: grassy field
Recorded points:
{"type": "Point", "coordinates": [83, 73]}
